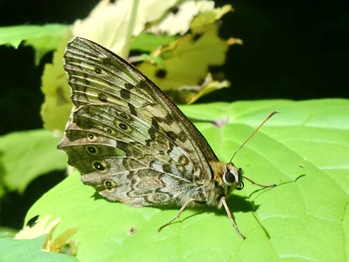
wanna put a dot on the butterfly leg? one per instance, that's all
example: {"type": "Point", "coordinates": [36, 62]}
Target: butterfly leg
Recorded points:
{"type": "Point", "coordinates": [231, 218]}
{"type": "Point", "coordinates": [178, 214]}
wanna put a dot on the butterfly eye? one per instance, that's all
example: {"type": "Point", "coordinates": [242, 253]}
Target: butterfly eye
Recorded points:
{"type": "Point", "coordinates": [228, 177]}
{"type": "Point", "coordinates": [233, 175]}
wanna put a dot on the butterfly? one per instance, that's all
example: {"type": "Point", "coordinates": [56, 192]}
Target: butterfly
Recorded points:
{"type": "Point", "coordinates": [131, 142]}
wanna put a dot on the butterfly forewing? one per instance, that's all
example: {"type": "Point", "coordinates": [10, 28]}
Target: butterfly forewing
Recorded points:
{"type": "Point", "coordinates": [128, 140]}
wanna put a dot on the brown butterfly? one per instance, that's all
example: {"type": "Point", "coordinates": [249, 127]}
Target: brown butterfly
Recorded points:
{"type": "Point", "coordinates": [132, 144]}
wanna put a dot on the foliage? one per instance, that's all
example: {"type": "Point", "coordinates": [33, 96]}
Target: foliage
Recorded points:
{"type": "Point", "coordinates": [295, 219]}
{"type": "Point", "coordinates": [29, 250]}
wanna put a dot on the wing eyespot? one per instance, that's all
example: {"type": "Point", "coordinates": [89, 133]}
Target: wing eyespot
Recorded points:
{"type": "Point", "coordinates": [108, 185]}
{"type": "Point", "coordinates": [102, 97]}
{"type": "Point", "coordinates": [123, 126]}
{"type": "Point", "coordinates": [91, 137]}
{"type": "Point", "coordinates": [99, 166]}
{"type": "Point", "coordinates": [109, 130]}
{"type": "Point", "coordinates": [92, 150]}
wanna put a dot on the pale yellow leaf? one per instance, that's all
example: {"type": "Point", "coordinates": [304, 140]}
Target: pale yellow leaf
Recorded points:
{"type": "Point", "coordinates": [179, 22]}
{"type": "Point", "coordinates": [112, 25]}
{"type": "Point", "coordinates": [42, 227]}
{"type": "Point", "coordinates": [208, 17]}
{"type": "Point", "coordinates": [56, 107]}
{"type": "Point", "coordinates": [187, 60]}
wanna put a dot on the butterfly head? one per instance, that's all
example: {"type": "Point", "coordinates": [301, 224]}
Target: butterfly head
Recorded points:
{"type": "Point", "coordinates": [232, 177]}
{"type": "Point", "coordinates": [226, 178]}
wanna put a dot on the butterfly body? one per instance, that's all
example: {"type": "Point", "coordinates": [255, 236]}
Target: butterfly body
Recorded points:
{"type": "Point", "coordinates": [131, 143]}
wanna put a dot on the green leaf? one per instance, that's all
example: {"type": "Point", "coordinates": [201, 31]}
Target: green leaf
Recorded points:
{"type": "Point", "coordinates": [303, 150]}
{"type": "Point", "coordinates": [26, 155]}
{"type": "Point", "coordinates": [28, 250]}
{"type": "Point", "coordinates": [43, 38]}
{"type": "Point", "coordinates": [148, 42]}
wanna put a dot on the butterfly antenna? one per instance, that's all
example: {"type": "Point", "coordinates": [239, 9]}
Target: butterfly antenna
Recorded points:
{"type": "Point", "coordinates": [253, 133]}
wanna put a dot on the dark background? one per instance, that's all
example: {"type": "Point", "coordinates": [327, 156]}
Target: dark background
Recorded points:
{"type": "Point", "coordinates": [292, 49]}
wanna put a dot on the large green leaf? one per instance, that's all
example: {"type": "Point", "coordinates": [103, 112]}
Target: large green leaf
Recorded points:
{"type": "Point", "coordinates": [43, 38]}
{"type": "Point", "coordinates": [29, 250]}
{"type": "Point", "coordinates": [26, 155]}
{"type": "Point", "coordinates": [304, 150]}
